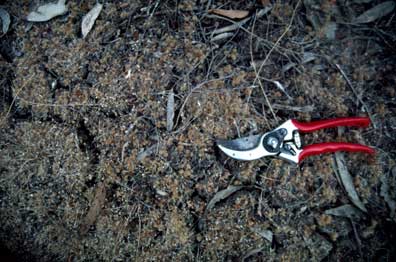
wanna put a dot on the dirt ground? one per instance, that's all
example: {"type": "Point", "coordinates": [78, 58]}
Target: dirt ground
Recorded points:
{"type": "Point", "coordinates": [108, 146]}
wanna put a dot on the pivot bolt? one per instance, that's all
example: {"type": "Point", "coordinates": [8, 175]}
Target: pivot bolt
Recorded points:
{"type": "Point", "coordinates": [273, 142]}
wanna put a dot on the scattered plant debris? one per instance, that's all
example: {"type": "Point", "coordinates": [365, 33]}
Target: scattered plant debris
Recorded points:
{"type": "Point", "coordinates": [346, 180]}
{"type": "Point", "coordinates": [89, 19]}
{"type": "Point", "coordinates": [170, 111]}
{"type": "Point", "coordinates": [94, 209]}
{"type": "Point", "coordinates": [47, 11]}
{"type": "Point", "coordinates": [266, 234]}
{"type": "Point", "coordinates": [348, 211]}
{"type": "Point", "coordinates": [221, 195]}
{"type": "Point", "coordinates": [232, 14]}
{"type": "Point", "coordinates": [388, 188]}
{"type": "Point", "coordinates": [5, 20]}
{"type": "Point", "coordinates": [375, 13]}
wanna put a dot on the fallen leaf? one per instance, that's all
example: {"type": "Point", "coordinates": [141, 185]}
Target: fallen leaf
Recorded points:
{"type": "Point", "coordinates": [280, 86]}
{"type": "Point", "coordinates": [288, 66]}
{"type": "Point", "coordinates": [148, 151]}
{"type": "Point", "coordinates": [161, 192]}
{"type": "Point", "coordinates": [89, 19]}
{"type": "Point", "coordinates": [47, 11]}
{"type": "Point", "coordinates": [223, 194]}
{"type": "Point", "coordinates": [95, 208]}
{"type": "Point", "coordinates": [305, 109]}
{"type": "Point", "coordinates": [252, 252]}
{"type": "Point", "coordinates": [221, 36]}
{"type": "Point", "coordinates": [388, 185]}
{"type": "Point", "coordinates": [329, 30]}
{"type": "Point", "coordinates": [239, 24]}
{"type": "Point", "coordinates": [308, 57]}
{"type": "Point", "coordinates": [346, 181]}
{"type": "Point", "coordinates": [376, 12]}
{"type": "Point", "coordinates": [232, 14]}
{"type": "Point", "coordinates": [265, 2]}
{"type": "Point", "coordinates": [348, 211]}
{"type": "Point", "coordinates": [267, 234]}
{"type": "Point", "coordinates": [5, 20]}
{"type": "Point", "coordinates": [170, 111]}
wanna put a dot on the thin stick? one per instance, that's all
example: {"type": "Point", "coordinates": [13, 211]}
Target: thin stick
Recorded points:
{"type": "Point", "coordinates": [255, 70]}
{"type": "Point", "coordinates": [267, 57]}
{"type": "Point", "coordinates": [266, 42]}
{"type": "Point", "coordinates": [221, 37]}
{"type": "Point", "coordinates": [277, 42]}
{"type": "Point", "coordinates": [305, 109]}
{"type": "Point", "coordinates": [195, 89]}
{"type": "Point", "coordinates": [229, 28]}
{"type": "Point", "coordinates": [356, 94]}
{"type": "Point", "coordinates": [358, 241]}
{"type": "Point", "coordinates": [11, 105]}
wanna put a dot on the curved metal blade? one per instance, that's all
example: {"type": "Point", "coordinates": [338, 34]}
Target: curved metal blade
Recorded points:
{"type": "Point", "coordinates": [246, 148]}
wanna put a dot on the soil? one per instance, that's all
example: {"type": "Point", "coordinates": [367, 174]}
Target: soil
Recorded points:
{"type": "Point", "coordinates": [98, 163]}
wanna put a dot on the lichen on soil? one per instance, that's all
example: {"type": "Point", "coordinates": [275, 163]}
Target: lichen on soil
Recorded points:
{"type": "Point", "coordinates": [89, 171]}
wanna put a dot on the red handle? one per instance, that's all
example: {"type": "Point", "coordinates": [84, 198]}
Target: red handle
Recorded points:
{"type": "Point", "coordinates": [317, 149]}
{"type": "Point", "coordinates": [321, 124]}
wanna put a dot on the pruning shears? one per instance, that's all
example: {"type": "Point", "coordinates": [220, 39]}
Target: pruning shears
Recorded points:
{"type": "Point", "coordinates": [285, 141]}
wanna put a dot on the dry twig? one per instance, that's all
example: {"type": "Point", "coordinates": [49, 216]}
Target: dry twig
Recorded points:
{"type": "Point", "coordinates": [257, 72]}
{"type": "Point", "coordinates": [194, 90]}
{"type": "Point", "coordinates": [356, 94]}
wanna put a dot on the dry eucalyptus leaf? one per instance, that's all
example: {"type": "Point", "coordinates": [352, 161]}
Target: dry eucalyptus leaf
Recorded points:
{"type": "Point", "coordinates": [305, 109]}
{"type": "Point", "coordinates": [47, 11]}
{"type": "Point", "coordinates": [267, 234]}
{"type": "Point", "coordinates": [308, 57]}
{"type": "Point", "coordinates": [223, 194]}
{"type": "Point", "coordinates": [265, 2]}
{"type": "Point", "coordinates": [90, 18]}
{"type": "Point", "coordinates": [232, 14]}
{"type": "Point", "coordinates": [170, 111]}
{"type": "Point", "coordinates": [95, 208]}
{"type": "Point", "coordinates": [148, 151]}
{"type": "Point", "coordinates": [346, 181]}
{"type": "Point", "coordinates": [330, 30]}
{"type": "Point", "coordinates": [5, 20]}
{"type": "Point", "coordinates": [388, 185]}
{"type": "Point", "coordinates": [348, 211]}
{"type": "Point", "coordinates": [376, 12]}
{"type": "Point", "coordinates": [281, 87]}
{"type": "Point", "coordinates": [161, 192]}
{"type": "Point", "coordinates": [221, 36]}
{"type": "Point", "coordinates": [239, 24]}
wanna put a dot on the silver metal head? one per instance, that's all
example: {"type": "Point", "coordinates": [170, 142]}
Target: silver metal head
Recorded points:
{"type": "Point", "coordinates": [247, 148]}
{"type": "Point", "coordinates": [252, 147]}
